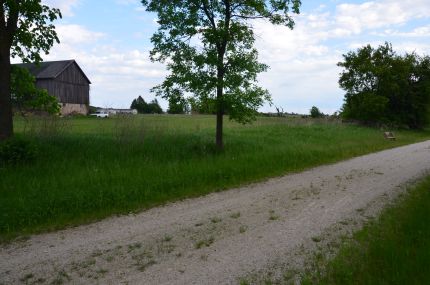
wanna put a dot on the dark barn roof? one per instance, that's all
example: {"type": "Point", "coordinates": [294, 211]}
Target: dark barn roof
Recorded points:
{"type": "Point", "coordinates": [50, 69]}
{"type": "Point", "coordinates": [63, 79]}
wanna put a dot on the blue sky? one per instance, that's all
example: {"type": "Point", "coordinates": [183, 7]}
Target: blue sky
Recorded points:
{"type": "Point", "coordinates": [110, 41]}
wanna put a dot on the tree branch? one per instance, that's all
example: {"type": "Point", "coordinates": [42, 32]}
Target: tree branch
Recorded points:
{"type": "Point", "coordinates": [210, 16]}
{"type": "Point", "coordinates": [247, 17]}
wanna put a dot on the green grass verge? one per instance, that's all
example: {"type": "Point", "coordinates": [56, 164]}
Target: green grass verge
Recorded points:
{"type": "Point", "coordinates": [88, 168]}
{"type": "Point", "coordinates": [395, 249]}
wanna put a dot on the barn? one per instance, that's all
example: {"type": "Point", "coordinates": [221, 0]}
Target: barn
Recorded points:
{"type": "Point", "coordinates": [65, 80]}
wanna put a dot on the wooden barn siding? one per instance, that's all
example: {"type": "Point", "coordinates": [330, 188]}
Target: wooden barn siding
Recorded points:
{"type": "Point", "coordinates": [72, 74]}
{"type": "Point", "coordinates": [69, 87]}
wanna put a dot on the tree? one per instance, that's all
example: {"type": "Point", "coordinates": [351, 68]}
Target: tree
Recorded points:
{"type": "Point", "coordinates": [140, 105]}
{"type": "Point", "coordinates": [178, 105]}
{"type": "Point", "coordinates": [25, 32]}
{"type": "Point", "coordinates": [315, 112]}
{"type": "Point", "coordinates": [206, 106]}
{"type": "Point", "coordinates": [386, 88]}
{"type": "Point", "coordinates": [209, 49]}
{"type": "Point", "coordinates": [26, 96]}
{"type": "Point", "coordinates": [154, 107]}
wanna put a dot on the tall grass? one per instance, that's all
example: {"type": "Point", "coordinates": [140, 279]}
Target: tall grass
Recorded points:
{"type": "Point", "coordinates": [88, 168]}
{"type": "Point", "coordinates": [393, 250]}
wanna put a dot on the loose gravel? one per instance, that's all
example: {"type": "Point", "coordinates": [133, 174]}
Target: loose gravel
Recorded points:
{"type": "Point", "coordinates": [222, 237]}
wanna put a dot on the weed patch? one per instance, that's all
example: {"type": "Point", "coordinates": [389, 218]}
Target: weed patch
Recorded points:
{"type": "Point", "coordinates": [204, 243]}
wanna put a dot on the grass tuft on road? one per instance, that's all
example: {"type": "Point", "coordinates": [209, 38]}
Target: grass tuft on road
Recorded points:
{"type": "Point", "coordinates": [86, 169]}
{"type": "Point", "coordinates": [395, 249]}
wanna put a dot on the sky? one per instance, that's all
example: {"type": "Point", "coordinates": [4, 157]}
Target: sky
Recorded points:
{"type": "Point", "coordinates": [110, 40]}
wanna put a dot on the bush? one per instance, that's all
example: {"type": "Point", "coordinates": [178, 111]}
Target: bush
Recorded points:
{"type": "Point", "coordinates": [316, 113]}
{"type": "Point", "coordinates": [16, 150]}
{"type": "Point", "coordinates": [366, 107]}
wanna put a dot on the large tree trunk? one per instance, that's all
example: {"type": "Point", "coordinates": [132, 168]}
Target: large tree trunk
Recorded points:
{"type": "Point", "coordinates": [220, 100]}
{"type": "Point", "coordinates": [219, 117]}
{"type": "Point", "coordinates": [222, 46]}
{"type": "Point", "coordinates": [6, 124]}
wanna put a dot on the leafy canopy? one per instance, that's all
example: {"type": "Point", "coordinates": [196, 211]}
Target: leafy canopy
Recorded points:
{"type": "Point", "coordinates": [29, 28]}
{"type": "Point", "coordinates": [384, 87]}
{"type": "Point", "coordinates": [208, 46]}
{"type": "Point", "coordinates": [315, 112]}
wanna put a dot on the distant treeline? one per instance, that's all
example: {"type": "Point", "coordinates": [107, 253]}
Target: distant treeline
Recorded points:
{"type": "Point", "coordinates": [142, 107]}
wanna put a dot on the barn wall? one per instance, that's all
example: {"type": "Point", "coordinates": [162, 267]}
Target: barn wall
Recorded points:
{"type": "Point", "coordinates": [72, 74]}
{"type": "Point", "coordinates": [71, 109]}
{"type": "Point", "coordinates": [69, 87]}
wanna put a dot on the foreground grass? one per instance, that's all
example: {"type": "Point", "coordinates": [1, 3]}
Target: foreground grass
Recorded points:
{"type": "Point", "coordinates": [89, 168]}
{"type": "Point", "coordinates": [393, 250]}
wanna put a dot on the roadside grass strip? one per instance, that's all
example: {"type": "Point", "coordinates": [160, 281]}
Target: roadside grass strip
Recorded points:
{"type": "Point", "coordinates": [393, 249]}
{"type": "Point", "coordinates": [86, 169]}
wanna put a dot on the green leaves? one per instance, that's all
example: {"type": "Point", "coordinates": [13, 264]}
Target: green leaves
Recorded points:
{"type": "Point", "coordinates": [30, 28]}
{"type": "Point", "coordinates": [142, 107]}
{"type": "Point", "coordinates": [208, 46]}
{"type": "Point", "coordinates": [26, 30]}
{"type": "Point", "coordinates": [177, 103]}
{"type": "Point", "coordinates": [383, 87]}
{"type": "Point", "coordinates": [315, 112]}
{"type": "Point", "coordinates": [25, 95]}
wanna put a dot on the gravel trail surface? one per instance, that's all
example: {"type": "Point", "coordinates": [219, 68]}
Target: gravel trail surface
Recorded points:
{"type": "Point", "coordinates": [222, 237]}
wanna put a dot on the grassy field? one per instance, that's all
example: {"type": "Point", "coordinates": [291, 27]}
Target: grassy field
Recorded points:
{"type": "Point", "coordinates": [89, 168]}
{"type": "Point", "coordinates": [393, 250]}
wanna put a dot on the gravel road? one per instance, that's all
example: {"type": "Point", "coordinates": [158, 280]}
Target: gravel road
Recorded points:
{"type": "Point", "coordinates": [222, 237]}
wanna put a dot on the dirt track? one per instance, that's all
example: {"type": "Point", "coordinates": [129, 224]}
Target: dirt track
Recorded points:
{"type": "Point", "coordinates": [219, 238]}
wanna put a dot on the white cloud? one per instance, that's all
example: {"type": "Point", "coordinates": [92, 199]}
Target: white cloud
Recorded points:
{"type": "Point", "coordinates": [410, 46]}
{"type": "Point", "coordinates": [401, 46]}
{"type": "Point", "coordinates": [379, 14]}
{"type": "Point", "coordinates": [127, 2]}
{"type": "Point", "coordinates": [76, 34]}
{"type": "Point", "coordinates": [303, 70]}
{"type": "Point", "coordinates": [66, 6]}
{"type": "Point", "coordinates": [303, 62]}
{"type": "Point", "coordinates": [417, 32]}
{"type": "Point", "coordinates": [117, 76]}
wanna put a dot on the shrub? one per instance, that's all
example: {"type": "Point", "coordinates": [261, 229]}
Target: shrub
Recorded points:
{"type": "Point", "coordinates": [316, 113]}
{"type": "Point", "coordinates": [16, 150]}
